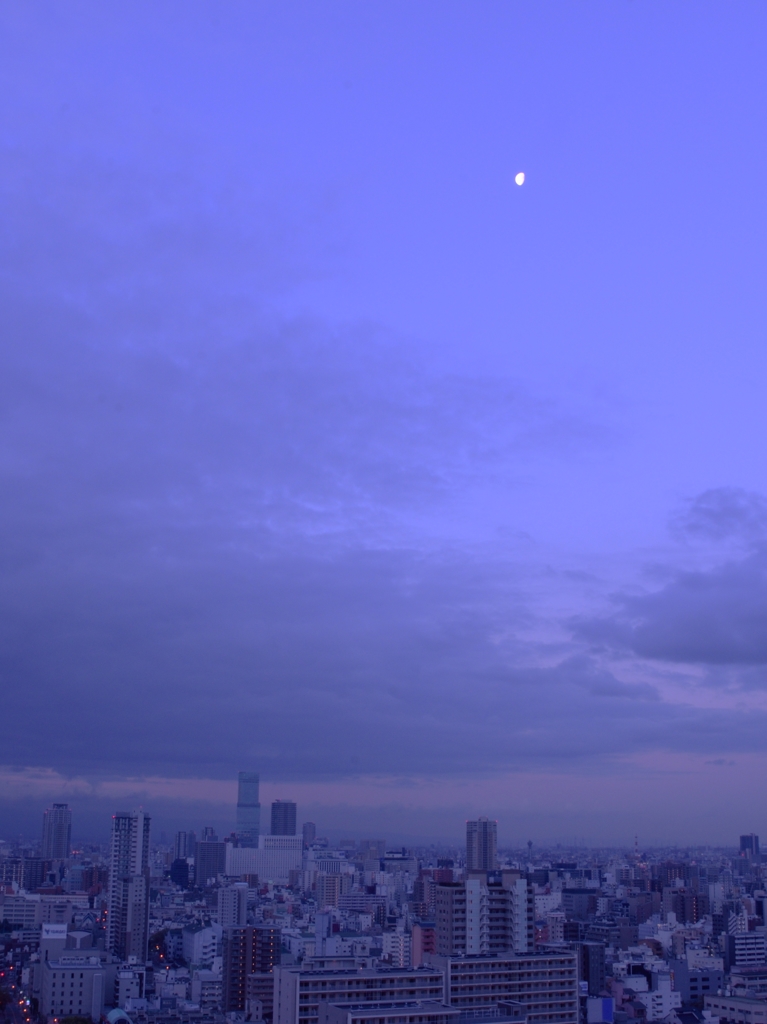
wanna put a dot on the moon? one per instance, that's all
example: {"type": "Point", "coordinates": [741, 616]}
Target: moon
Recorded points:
{"type": "Point", "coordinates": [520, 178]}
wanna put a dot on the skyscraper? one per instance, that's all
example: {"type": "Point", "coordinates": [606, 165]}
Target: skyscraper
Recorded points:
{"type": "Point", "coordinates": [481, 841]}
{"type": "Point", "coordinates": [57, 832]}
{"type": "Point", "coordinates": [128, 915]}
{"type": "Point", "coordinates": [248, 809]}
{"type": "Point", "coordinates": [183, 846]}
{"type": "Point", "coordinates": [309, 831]}
{"type": "Point", "coordinates": [749, 846]}
{"type": "Point", "coordinates": [209, 861]}
{"type": "Point", "coordinates": [283, 818]}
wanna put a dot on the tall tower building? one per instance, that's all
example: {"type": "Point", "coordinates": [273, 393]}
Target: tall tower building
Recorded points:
{"type": "Point", "coordinates": [283, 818]}
{"type": "Point", "coordinates": [248, 809]}
{"type": "Point", "coordinates": [309, 832]}
{"type": "Point", "coordinates": [481, 844]}
{"type": "Point", "coordinates": [57, 832]}
{"type": "Point", "coordinates": [128, 914]}
{"type": "Point", "coordinates": [182, 846]}
{"type": "Point", "coordinates": [749, 846]}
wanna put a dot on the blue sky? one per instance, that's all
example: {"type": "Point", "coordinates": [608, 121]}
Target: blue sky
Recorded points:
{"type": "Point", "coordinates": [329, 452]}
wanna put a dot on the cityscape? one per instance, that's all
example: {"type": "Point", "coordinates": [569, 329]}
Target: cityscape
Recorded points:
{"type": "Point", "coordinates": [383, 512]}
{"type": "Point", "coordinates": [273, 923]}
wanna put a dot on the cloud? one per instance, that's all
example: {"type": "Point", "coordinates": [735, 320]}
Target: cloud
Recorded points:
{"type": "Point", "coordinates": [713, 617]}
{"type": "Point", "coordinates": [232, 538]}
{"type": "Point", "coordinates": [721, 513]}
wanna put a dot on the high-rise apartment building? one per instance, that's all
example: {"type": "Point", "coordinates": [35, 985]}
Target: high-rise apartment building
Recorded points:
{"type": "Point", "coordinates": [476, 917]}
{"type": "Point", "coordinates": [248, 809]}
{"type": "Point", "coordinates": [128, 914]}
{"type": "Point", "coordinates": [250, 950]}
{"type": "Point", "coordinates": [57, 832]}
{"type": "Point", "coordinates": [481, 845]}
{"type": "Point", "coordinates": [283, 818]}
{"type": "Point", "coordinates": [309, 832]}
{"type": "Point", "coordinates": [233, 905]}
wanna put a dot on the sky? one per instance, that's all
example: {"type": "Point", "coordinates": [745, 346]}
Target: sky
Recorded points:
{"type": "Point", "coordinates": [329, 452]}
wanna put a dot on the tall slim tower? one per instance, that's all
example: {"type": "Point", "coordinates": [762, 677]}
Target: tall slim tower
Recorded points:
{"type": "Point", "coordinates": [57, 832]}
{"type": "Point", "coordinates": [248, 809]}
{"type": "Point", "coordinates": [481, 844]}
{"type": "Point", "coordinates": [128, 915]}
{"type": "Point", "coordinates": [283, 818]}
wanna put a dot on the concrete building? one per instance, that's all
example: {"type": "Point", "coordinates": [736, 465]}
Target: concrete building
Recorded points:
{"type": "Point", "coordinates": [128, 902]}
{"type": "Point", "coordinates": [695, 983]}
{"type": "Point", "coordinates": [205, 989]}
{"type": "Point", "coordinates": [659, 998]}
{"type": "Point", "coordinates": [57, 833]}
{"type": "Point", "coordinates": [481, 845]}
{"type": "Point", "coordinates": [201, 943]}
{"type": "Point", "coordinates": [299, 992]}
{"type": "Point", "coordinates": [272, 858]}
{"type": "Point", "coordinates": [184, 845]}
{"type": "Point", "coordinates": [250, 950]}
{"type": "Point", "coordinates": [330, 889]}
{"type": "Point", "coordinates": [232, 901]}
{"type": "Point", "coordinates": [746, 949]}
{"type": "Point", "coordinates": [259, 995]}
{"type": "Point", "coordinates": [396, 948]}
{"type": "Point", "coordinates": [76, 985]}
{"type": "Point", "coordinates": [248, 809]}
{"type": "Point", "coordinates": [737, 1009]}
{"type": "Point", "coordinates": [545, 984]}
{"type": "Point", "coordinates": [130, 984]}
{"type": "Point", "coordinates": [591, 966]}
{"type": "Point", "coordinates": [474, 918]}
{"type": "Point", "coordinates": [209, 861]}
{"type": "Point", "coordinates": [414, 1012]}
{"type": "Point", "coordinates": [423, 940]}
{"type": "Point", "coordinates": [283, 818]}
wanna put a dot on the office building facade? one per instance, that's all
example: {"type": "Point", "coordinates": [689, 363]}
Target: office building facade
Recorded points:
{"type": "Point", "coordinates": [283, 818]}
{"type": "Point", "coordinates": [209, 861]}
{"type": "Point", "coordinates": [75, 986]}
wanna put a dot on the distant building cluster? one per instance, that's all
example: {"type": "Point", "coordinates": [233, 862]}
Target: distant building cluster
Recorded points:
{"type": "Point", "coordinates": [283, 927]}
